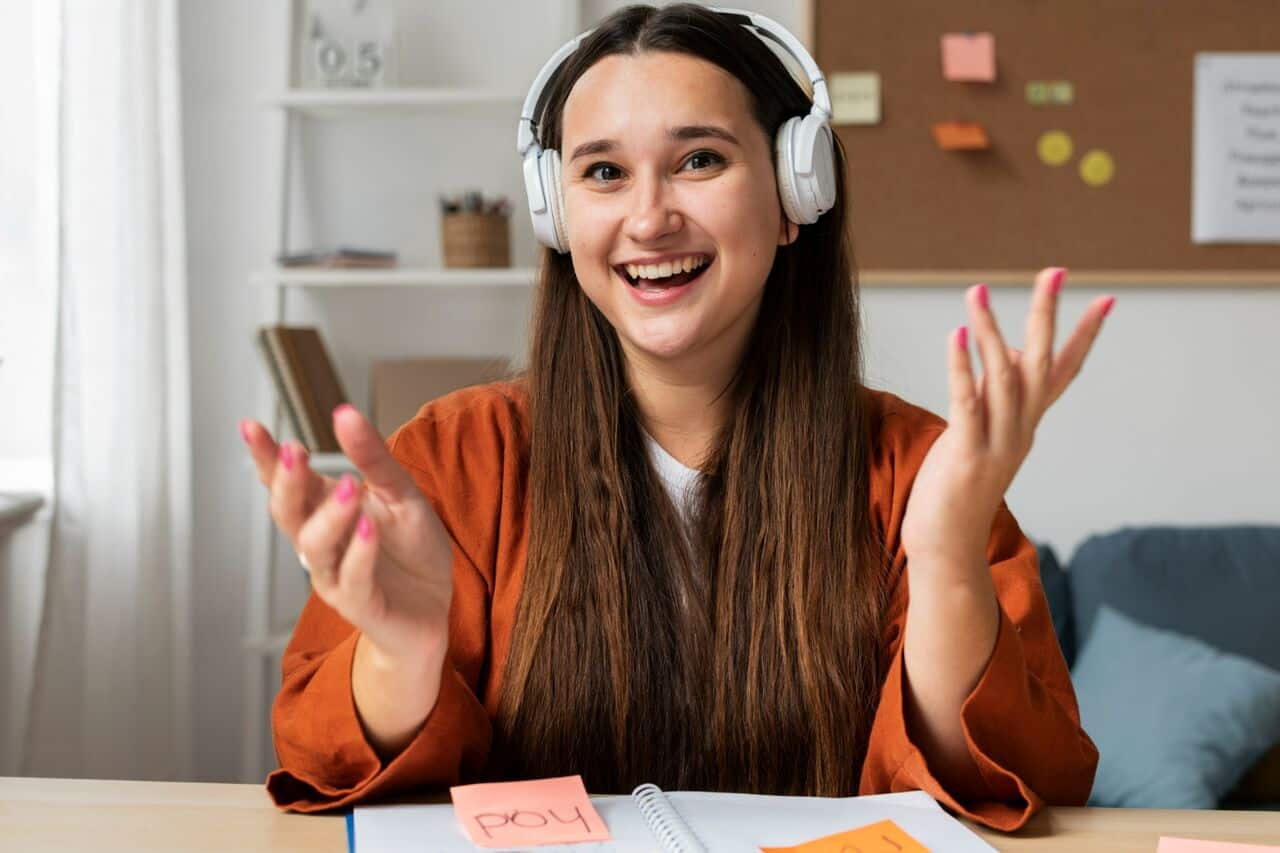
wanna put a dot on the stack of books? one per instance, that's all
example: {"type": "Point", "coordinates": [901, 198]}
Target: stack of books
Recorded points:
{"type": "Point", "coordinates": [305, 379]}
{"type": "Point", "coordinates": [342, 258]}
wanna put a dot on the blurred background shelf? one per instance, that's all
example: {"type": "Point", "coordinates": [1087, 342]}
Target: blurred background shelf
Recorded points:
{"type": "Point", "coordinates": [407, 277]}
{"type": "Point", "coordinates": [338, 103]}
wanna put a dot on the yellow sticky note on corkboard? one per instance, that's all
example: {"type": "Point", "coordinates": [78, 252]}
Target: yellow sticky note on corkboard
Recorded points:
{"type": "Point", "coordinates": [855, 97]}
{"type": "Point", "coordinates": [1054, 147]}
{"type": "Point", "coordinates": [883, 837]}
{"type": "Point", "coordinates": [969, 57]}
{"type": "Point", "coordinates": [1097, 168]}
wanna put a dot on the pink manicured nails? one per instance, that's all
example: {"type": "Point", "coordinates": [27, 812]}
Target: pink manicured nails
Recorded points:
{"type": "Point", "coordinates": [962, 337]}
{"type": "Point", "coordinates": [341, 407]}
{"type": "Point", "coordinates": [1055, 283]}
{"type": "Point", "coordinates": [364, 528]}
{"type": "Point", "coordinates": [286, 457]}
{"type": "Point", "coordinates": [984, 298]}
{"type": "Point", "coordinates": [1106, 306]}
{"type": "Point", "coordinates": [346, 488]}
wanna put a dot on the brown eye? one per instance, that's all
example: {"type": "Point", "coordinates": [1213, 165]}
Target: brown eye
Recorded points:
{"type": "Point", "coordinates": [714, 157]}
{"type": "Point", "coordinates": [594, 166]}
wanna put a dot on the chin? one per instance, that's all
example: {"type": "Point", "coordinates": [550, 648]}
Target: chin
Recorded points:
{"type": "Point", "coordinates": [664, 347]}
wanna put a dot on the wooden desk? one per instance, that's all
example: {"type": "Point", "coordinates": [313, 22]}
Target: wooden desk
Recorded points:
{"type": "Point", "coordinates": [39, 815]}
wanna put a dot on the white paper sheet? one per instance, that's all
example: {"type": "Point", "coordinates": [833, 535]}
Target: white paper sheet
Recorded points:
{"type": "Point", "coordinates": [724, 822]}
{"type": "Point", "coordinates": [1236, 172]}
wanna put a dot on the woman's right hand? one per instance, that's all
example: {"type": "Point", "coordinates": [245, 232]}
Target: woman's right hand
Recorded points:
{"type": "Point", "coordinates": [379, 557]}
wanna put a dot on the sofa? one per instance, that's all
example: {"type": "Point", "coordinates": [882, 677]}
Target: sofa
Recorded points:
{"type": "Point", "coordinates": [1211, 596]}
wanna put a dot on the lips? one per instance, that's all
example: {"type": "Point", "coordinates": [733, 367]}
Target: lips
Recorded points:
{"type": "Point", "coordinates": [677, 280]}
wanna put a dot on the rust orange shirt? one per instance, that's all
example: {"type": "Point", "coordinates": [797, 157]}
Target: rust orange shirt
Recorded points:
{"type": "Point", "coordinates": [468, 453]}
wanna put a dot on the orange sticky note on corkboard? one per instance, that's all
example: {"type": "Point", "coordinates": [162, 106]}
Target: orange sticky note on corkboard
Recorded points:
{"type": "Point", "coordinates": [883, 837]}
{"type": "Point", "coordinates": [960, 136]}
{"type": "Point", "coordinates": [538, 811]}
{"type": "Point", "coordinates": [969, 57]}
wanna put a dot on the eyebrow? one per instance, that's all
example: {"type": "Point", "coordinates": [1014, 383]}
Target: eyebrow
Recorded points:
{"type": "Point", "coordinates": [675, 134]}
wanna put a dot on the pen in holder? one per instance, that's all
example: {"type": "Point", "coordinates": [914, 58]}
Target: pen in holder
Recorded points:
{"type": "Point", "coordinates": [476, 239]}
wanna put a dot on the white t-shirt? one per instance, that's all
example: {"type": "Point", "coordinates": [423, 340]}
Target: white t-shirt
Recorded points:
{"type": "Point", "coordinates": [676, 476]}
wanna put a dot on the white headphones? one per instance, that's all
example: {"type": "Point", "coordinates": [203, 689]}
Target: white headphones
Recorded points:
{"type": "Point", "coordinates": [803, 147]}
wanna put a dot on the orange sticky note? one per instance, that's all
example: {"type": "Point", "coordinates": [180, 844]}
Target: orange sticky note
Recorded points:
{"type": "Point", "coordinates": [960, 136]}
{"type": "Point", "coordinates": [538, 811]}
{"type": "Point", "coordinates": [969, 57]}
{"type": "Point", "coordinates": [1191, 845]}
{"type": "Point", "coordinates": [883, 837]}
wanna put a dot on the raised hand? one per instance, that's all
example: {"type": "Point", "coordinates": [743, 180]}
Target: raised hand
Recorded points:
{"type": "Point", "coordinates": [992, 422]}
{"type": "Point", "coordinates": [379, 556]}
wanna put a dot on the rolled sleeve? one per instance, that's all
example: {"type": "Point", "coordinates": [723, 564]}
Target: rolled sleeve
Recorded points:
{"type": "Point", "coordinates": [1025, 741]}
{"type": "Point", "coordinates": [327, 762]}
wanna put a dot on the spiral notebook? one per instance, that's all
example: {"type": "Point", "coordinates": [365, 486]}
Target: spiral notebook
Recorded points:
{"type": "Point", "coordinates": [653, 821]}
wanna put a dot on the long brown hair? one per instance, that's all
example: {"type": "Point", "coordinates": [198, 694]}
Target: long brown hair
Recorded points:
{"type": "Point", "coordinates": [747, 659]}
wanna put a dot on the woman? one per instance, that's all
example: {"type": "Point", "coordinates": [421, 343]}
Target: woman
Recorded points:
{"type": "Point", "coordinates": [680, 547]}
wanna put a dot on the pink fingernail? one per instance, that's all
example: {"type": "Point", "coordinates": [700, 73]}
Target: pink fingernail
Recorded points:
{"type": "Point", "coordinates": [1106, 306]}
{"type": "Point", "coordinates": [346, 488]}
{"type": "Point", "coordinates": [1055, 283]}
{"type": "Point", "coordinates": [963, 337]}
{"type": "Point", "coordinates": [286, 457]}
{"type": "Point", "coordinates": [983, 296]}
{"type": "Point", "coordinates": [244, 431]}
{"type": "Point", "coordinates": [364, 528]}
{"type": "Point", "coordinates": [340, 407]}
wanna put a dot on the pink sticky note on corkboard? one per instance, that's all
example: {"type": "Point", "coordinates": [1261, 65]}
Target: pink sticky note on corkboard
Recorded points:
{"type": "Point", "coordinates": [1191, 845]}
{"type": "Point", "coordinates": [537, 811]}
{"type": "Point", "coordinates": [969, 57]}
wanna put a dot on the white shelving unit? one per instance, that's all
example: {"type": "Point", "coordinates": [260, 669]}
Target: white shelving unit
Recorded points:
{"type": "Point", "coordinates": [261, 644]}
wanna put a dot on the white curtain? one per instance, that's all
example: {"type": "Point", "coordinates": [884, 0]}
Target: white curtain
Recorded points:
{"type": "Point", "coordinates": [111, 689]}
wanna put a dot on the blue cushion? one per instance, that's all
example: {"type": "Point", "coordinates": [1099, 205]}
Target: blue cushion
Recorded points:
{"type": "Point", "coordinates": [1176, 721]}
{"type": "Point", "coordinates": [1220, 584]}
{"type": "Point", "coordinates": [1057, 590]}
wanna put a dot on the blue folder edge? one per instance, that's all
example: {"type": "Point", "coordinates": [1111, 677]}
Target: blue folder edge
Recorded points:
{"type": "Point", "coordinates": [351, 831]}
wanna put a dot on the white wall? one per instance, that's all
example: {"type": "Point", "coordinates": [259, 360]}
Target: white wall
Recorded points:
{"type": "Point", "coordinates": [1172, 421]}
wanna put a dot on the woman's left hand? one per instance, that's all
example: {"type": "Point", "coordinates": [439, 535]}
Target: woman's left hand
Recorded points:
{"type": "Point", "coordinates": [992, 421]}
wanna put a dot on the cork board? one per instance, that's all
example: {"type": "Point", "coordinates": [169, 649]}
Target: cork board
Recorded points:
{"type": "Point", "coordinates": [1131, 62]}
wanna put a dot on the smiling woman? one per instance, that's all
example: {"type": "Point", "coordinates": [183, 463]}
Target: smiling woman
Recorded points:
{"type": "Point", "coordinates": [679, 536]}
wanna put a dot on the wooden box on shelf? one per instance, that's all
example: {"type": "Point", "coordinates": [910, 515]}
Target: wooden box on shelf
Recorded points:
{"type": "Point", "coordinates": [476, 239]}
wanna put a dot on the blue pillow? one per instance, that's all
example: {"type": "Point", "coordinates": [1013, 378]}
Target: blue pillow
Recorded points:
{"type": "Point", "coordinates": [1176, 721]}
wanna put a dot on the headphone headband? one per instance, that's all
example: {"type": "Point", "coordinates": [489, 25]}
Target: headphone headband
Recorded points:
{"type": "Point", "coordinates": [766, 27]}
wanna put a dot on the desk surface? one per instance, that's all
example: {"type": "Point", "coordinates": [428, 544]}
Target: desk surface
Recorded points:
{"type": "Point", "coordinates": [73, 814]}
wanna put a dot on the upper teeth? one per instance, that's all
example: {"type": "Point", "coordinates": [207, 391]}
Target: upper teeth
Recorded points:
{"type": "Point", "coordinates": [666, 268]}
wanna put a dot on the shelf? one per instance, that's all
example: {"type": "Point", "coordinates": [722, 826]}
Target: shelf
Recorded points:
{"type": "Point", "coordinates": [272, 644]}
{"type": "Point", "coordinates": [523, 277]}
{"type": "Point", "coordinates": [322, 463]}
{"type": "Point", "coordinates": [335, 103]}
{"type": "Point", "coordinates": [1154, 278]}
{"type": "Point", "coordinates": [330, 463]}
{"type": "Point", "coordinates": [421, 277]}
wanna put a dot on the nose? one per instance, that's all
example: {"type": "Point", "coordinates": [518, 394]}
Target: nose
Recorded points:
{"type": "Point", "coordinates": [652, 214]}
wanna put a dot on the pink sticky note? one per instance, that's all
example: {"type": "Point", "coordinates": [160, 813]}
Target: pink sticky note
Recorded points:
{"type": "Point", "coordinates": [1191, 845]}
{"type": "Point", "coordinates": [537, 811]}
{"type": "Point", "coordinates": [969, 56]}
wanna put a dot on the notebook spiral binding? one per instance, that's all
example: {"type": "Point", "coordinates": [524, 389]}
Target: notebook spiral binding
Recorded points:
{"type": "Point", "coordinates": [665, 822]}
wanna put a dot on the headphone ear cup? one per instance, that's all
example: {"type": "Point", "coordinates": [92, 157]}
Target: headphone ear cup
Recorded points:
{"type": "Point", "coordinates": [820, 186]}
{"type": "Point", "coordinates": [785, 169]}
{"type": "Point", "coordinates": [550, 165]}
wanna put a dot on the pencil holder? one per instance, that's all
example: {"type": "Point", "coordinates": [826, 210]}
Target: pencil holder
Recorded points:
{"type": "Point", "coordinates": [476, 239]}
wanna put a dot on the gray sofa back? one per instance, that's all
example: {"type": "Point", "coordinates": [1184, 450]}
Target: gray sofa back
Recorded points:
{"type": "Point", "coordinates": [1221, 584]}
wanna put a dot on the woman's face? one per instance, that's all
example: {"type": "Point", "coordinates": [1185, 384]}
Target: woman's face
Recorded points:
{"type": "Point", "coordinates": [654, 193]}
